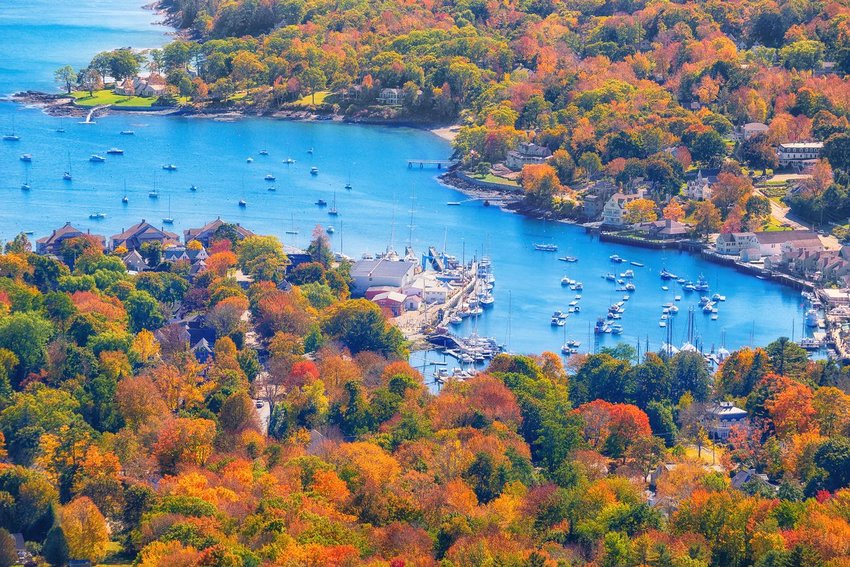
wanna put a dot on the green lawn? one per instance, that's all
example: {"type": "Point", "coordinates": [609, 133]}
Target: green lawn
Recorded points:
{"type": "Point", "coordinates": [106, 96]}
{"type": "Point", "coordinates": [490, 178]}
{"type": "Point", "coordinates": [308, 100]}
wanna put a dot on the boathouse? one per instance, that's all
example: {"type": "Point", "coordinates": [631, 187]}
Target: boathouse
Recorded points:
{"type": "Point", "coordinates": [381, 272]}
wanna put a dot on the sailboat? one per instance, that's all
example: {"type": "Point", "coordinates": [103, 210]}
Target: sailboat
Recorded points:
{"type": "Point", "coordinates": [293, 231]}
{"type": "Point", "coordinates": [67, 175]}
{"type": "Point", "coordinates": [25, 186]}
{"type": "Point", "coordinates": [332, 211]}
{"type": "Point", "coordinates": [12, 137]}
{"type": "Point", "coordinates": [154, 194]}
{"type": "Point", "coordinates": [168, 219]}
{"type": "Point", "coordinates": [348, 185]}
{"type": "Point", "coordinates": [547, 246]}
{"type": "Point", "coordinates": [124, 199]}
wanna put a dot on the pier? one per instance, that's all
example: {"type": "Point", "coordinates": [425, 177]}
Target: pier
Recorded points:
{"type": "Point", "coordinates": [440, 163]}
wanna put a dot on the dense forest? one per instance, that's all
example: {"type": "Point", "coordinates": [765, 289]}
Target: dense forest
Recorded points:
{"type": "Point", "coordinates": [123, 441]}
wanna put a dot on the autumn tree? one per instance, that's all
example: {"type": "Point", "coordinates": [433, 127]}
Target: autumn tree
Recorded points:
{"type": "Point", "coordinates": [640, 210]}
{"type": "Point", "coordinates": [707, 218]}
{"type": "Point", "coordinates": [85, 530]}
{"type": "Point", "coordinates": [541, 184]}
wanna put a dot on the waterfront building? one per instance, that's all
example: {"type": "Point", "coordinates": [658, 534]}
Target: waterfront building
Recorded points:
{"type": "Point", "coordinates": [771, 243]}
{"type": "Point", "coordinates": [664, 229]}
{"type": "Point", "coordinates": [52, 244]}
{"type": "Point", "coordinates": [722, 417]}
{"type": "Point", "coordinates": [381, 272]}
{"type": "Point", "coordinates": [391, 97]}
{"type": "Point", "coordinates": [137, 86]}
{"type": "Point", "coordinates": [138, 234]}
{"type": "Point", "coordinates": [699, 188]}
{"type": "Point", "coordinates": [392, 301]}
{"type": "Point", "coordinates": [733, 243]}
{"type": "Point", "coordinates": [614, 211]}
{"type": "Point", "coordinates": [527, 154]}
{"type": "Point", "coordinates": [206, 233]}
{"type": "Point", "coordinates": [799, 154]}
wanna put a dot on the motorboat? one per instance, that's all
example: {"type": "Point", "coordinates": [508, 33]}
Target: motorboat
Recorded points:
{"type": "Point", "coordinates": [67, 176]}
{"type": "Point", "coordinates": [249, 160]}
{"type": "Point", "coordinates": [169, 167]}
{"type": "Point", "coordinates": [617, 329]}
{"type": "Point", "coordinates": [115, 151]}
{"type": "Point", "coordinates": [154, 194]}
{"type": "Point", "coordinates": [97, 216]}
{"type": "Point", "coordinates": [264, 152]}
{"type": "Point", "coordinates": [616, 259]}
{"type": "Point", "coordinates": [610, 277]}
{"type": "Point", "coordinates": [565, 281]}
{"type": "Point", "coordinates": [125, 200]}
{"type": "Point", "coordinates": [630, 286]}
{"type": "Point", "coordinates": [11, 138]}
{"type": "Point", "coordinates": [127, 133]}
{"type": "Point", "coordinates": [487, 300]}
{"type": "Point", "coordinates": [568, 259]}
{"type": "Point", "coordinates": [289, 161]}
{"type": "Point", "coordinates": [270, 177]}
{"type": "Point", "coordinates": [636, 264]}
{"type": "Point", "coordinates": [330, 230]}
{"type": "Point", "coordinates": [26, 158]}
{"type": "Point", "coordinates": [94, 158]}
{"type": "Point", "coordinates": [193, 188]}
{"type": "Point", "coordinates": [718, 297]}
{"type": "Point", "coordinates": [314, 170]}
{"type": "Point", "coordinates": [559, 319]}
{"type": "Point", "coordinates": [242, 203]}
{"type": "Point", "coordinates": [665, 288]}
{"type": "Point", "coordinates": [546, 247]}
{"type": "Point", "coordinates": [667, 275]}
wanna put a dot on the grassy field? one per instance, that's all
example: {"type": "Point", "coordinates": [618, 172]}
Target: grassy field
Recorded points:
{"type": "Point", "coordinates": [106, 96]}
{"type": "Point", "coordinates": [490, 178]}
{"type": "Point", "coordinates": [308, 100]}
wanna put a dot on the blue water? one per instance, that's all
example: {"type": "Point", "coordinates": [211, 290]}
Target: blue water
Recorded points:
{"type": "Point", "coordinates": [212, 155]}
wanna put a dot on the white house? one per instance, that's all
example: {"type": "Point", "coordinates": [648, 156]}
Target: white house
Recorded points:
{"type": "Point", "coordinates": [391, 97]}
{"type": "Point", "coordinates": [722, 417]}
{"type": "Point", "coordinates": [527, 154]}
{"type": "Point", "coordinates": [381, 272]}
{"type": "Point", "coordinates": [699, 188]}
{"type": "Point", "coordinates": [614, 211]}
{"type": "Point", "coordinates": [799, 154]}
{"type": "Point", "coordinates": [733, 243]}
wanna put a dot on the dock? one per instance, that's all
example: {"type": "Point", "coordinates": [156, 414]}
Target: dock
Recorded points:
{"type": "Point", "coordinates": [440, 163]}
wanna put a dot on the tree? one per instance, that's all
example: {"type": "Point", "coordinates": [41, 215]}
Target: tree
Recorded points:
{"type": "Point", "coordinates": [315, 80]}
{"type": "Point", "coordinates": [25, 335]}
{"type": "Point", "coordinates": [124, 63]}
{"type": "Point", "coordinates": [263, 258]}
{"type": "Point", "coordinates": [708, 146]}
{"type": "Point", "coordinates": [55, 547]}
{"type": "Point", "coordinates": [787, 357]}
{"type": "Point", "coordinates": [803, 55]}
{"type": "Point", "coordinates": [730, 190]}
{"type": "Point", "coordinates": [541, 184]}
{"type": "Point", "coordinates": [144, 312]}
{"type": "Point", "coordinates": [707, 218]}
{"type": "Point", "coordinates": [8, 552]}
{"type": "Point", "coordinates": [834, 458]}
{"type": "Point", "coordinates": [90, 80]}
{"type": "Point", "coordinates": [758, 153]}
{"type": "Point", "coordinates": [674, 211]}
{"type": "Point", "coordinates": [640, 210]}
{"type": "Point", "coordinates": [360, 326]}
{"type": "Point", "coordinates": [66, 76]}
{"type": "Point", "coordinates": [836, 149]}
{"type": "Point", "coordinates": [85, 530]}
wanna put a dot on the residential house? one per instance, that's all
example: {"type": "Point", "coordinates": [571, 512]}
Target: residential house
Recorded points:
{"type": "Point", "coordinates": [721, 417]}
{"type": "Point", "coordinates": [206, 233]}
{"type": "Point", "coordinates": [137, 86]}
{"type": "Point", "coordinates": [733, 243]}
{"type": "Point", "coordinates": [751, 129]}
{"type": "Point", "coordinates": [614, 211]}
{"type": "Point", "coordinates": [699, 188]}
{"type": "Point", "coordinates": [527, 154]}
{"type": "Point", "coordinates": [177, 253]}
{"type": "Point", "coordinates": [747, 476]}
{"type": "Point", "coordinates": [799, 154]}
{"type": "Point", "coordinates": [202, 351]}
{"type": "Point", "coordinates": [771, 243]}
{"type": "Point", "coordinates": [138, 234]}
{"type": "Point", "coordinates": [134, 261]}
{"type": "Point", "coordinates": [52, 244]}
{"type": "Point", "coordinates": [380, 272]}
{"type": "Point", "coordinates": [391, 97]}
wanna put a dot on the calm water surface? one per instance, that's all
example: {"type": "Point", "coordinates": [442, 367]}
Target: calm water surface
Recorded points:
{"type": "Point", "coordinates": [389, 203]}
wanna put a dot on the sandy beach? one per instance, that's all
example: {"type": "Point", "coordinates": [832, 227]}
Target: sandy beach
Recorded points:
{"type": "Point", "coordinates": [448, 133]}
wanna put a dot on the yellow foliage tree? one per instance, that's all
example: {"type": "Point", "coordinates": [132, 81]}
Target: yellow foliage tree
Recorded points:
{"type": "Point", "coordinates": [85, 530]}
{"type": "Point", "coordinates": [641, 210]}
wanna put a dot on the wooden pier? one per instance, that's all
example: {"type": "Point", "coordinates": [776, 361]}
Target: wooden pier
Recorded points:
{"type": "Point", "coordinates": [440, 163]}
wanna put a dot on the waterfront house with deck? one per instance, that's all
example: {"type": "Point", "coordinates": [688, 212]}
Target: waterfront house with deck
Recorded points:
{"type": "Point", "coordinates": [53, 243]}
{"type": "Point", "coordinates": [664, 229]}
{"type": "Point", "coordinates": [733, 243]}
{"type": "Point", "coordinates": [138, 234]}
{"type": "Point", "coordinates": [614, 211]}
{"type": "Point", "coordinates": [207, 232]}
{"type": "Point", "coordinates": [381, 272]}
{"type": "Point", "coordinates": [391, 97]}
{"type": "Point", "coordinates": [527, 154]}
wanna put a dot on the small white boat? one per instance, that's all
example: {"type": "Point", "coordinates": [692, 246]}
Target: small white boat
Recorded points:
{"type": "Point", "coordinates": [665, 288]}
{"type": "Point", "coordinates": [270, 177]}
{"type": "Point", "coordinates": [25, 186]}
{"type": "Point", "coordinates": [314, 170]}
{"type": "Point", "coordinates": [249, 160]}
{"type": "Point", "coordinates": [677, 298]}
{"type": "Point", "coordinates": [26, 157]}
{"type": "Point", "coordinates": [289, 161]}
{"type": "Point", "coordinates": [154, 194]}
{"type": "Point", "coordinates": [115, 151]}
{"type": "Point", "coordinates": [264, 152]}
{"type": "Point", "coordinates": [545, 247]}
{"type": "Point", "coordinates": [662, 323]}
{"type": "Point", "coordinates": [169, 167]}
{"type": "Point", "coordinates": [125, 200]}
{"type": "Point", "coordinates": [11, 138]}
{"type": "Point", "coordinates": [330, 230]}
{"type": "Point", "coordinates": [67, 176]}
{"type": "Point", "coordinates": [127, 133]}
{"type": "Point", "coordinates": [94, 158]}
{"type": "Point", "coordinates": [97, 216]}
{"type": "Point", "coordinates": [193, 188]}
{"type": "Point", "coordinates": [167, 220]}
{"type": "Point", "coordinates": [242, 203]}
